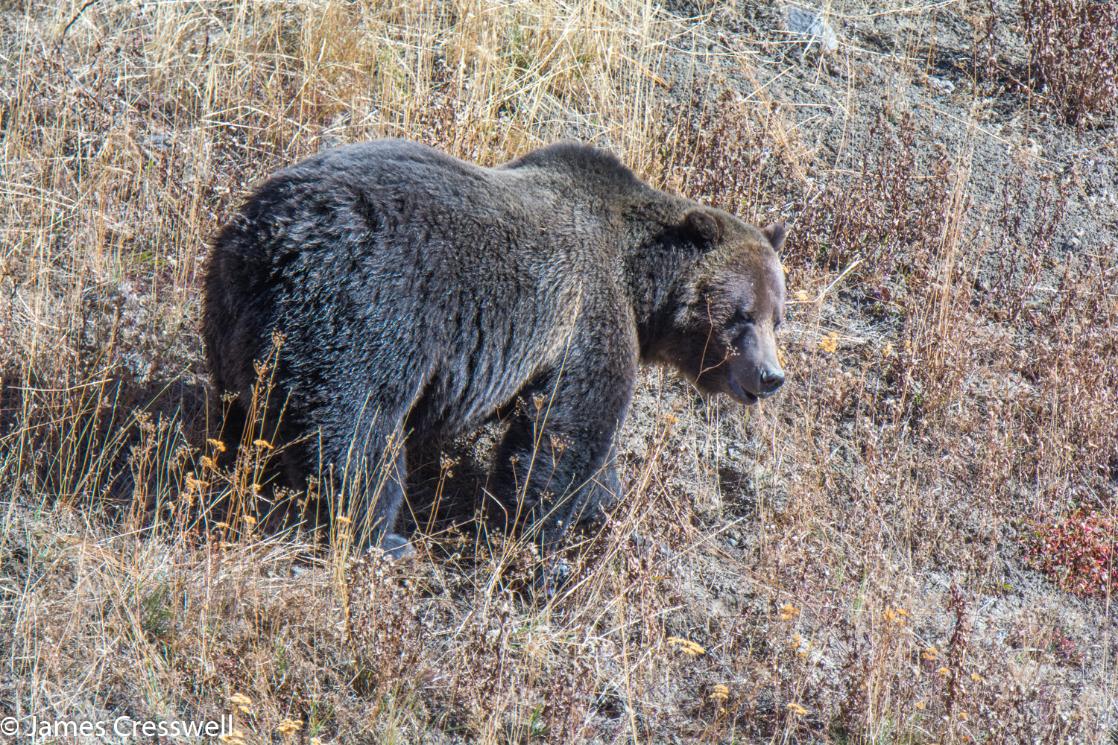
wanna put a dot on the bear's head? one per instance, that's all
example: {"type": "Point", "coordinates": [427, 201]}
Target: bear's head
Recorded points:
{"type": "Point", "coordinates": [727, 308]}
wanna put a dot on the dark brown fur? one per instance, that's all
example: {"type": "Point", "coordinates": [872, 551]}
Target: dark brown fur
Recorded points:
{"type": "Point", "coordinates": [418, 294]}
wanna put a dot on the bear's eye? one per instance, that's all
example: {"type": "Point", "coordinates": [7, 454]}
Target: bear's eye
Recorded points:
{"type": "Point", "coordinates": [740, 319]}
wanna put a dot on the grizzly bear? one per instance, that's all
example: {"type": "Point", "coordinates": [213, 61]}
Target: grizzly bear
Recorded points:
{"type": "Point", "coordinates": [418, 296]}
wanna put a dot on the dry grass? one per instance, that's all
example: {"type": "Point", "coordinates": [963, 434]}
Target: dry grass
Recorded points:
{"type": "Point", "coordinates": [1073, 55]}
{"type": "Point", "coordinates": [847, 563]}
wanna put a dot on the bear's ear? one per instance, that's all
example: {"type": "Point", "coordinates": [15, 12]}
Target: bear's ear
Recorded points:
{"type": "Point", "coordinates": [775, 233]}
{"type": "Point", "coordinates": [704, 224]}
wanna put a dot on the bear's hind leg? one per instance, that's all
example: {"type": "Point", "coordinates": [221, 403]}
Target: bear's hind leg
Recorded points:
{"type": "Point", "coordinates": [370, 471]}
{"type": "Point", "coordinates": [376, 514]}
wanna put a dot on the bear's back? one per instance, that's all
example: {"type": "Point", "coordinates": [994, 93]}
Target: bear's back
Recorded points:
{"type": "Point", "coordinates": [371, 161]}
{"type": "Point", "coordinates": [395, 234]}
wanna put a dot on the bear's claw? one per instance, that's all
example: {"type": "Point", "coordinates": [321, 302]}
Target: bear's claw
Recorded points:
{"type": "Point", "coordinates": [396, 547]}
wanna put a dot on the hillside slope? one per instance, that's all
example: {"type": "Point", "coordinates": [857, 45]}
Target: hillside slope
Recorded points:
{"type": "Point", "coordinates": [912, 543]}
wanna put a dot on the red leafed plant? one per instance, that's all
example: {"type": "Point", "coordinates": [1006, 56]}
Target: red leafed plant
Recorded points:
{"type": "Point", "coordinates": [1078, 551]}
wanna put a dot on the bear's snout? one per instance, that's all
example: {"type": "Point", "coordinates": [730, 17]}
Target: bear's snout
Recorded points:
{"type": "Point", "coordinates": [771, 380]}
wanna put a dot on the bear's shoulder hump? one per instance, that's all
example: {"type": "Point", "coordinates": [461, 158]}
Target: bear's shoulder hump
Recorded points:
{"type": "Point", "coordinates": [578, 158]}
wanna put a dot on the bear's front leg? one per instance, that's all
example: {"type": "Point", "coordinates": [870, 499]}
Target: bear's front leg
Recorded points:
{"type": "Point", "coordinates": [555, 466]}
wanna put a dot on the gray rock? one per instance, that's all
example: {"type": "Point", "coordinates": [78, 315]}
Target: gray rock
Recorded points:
{"type": "Point", "coordinates": [943, 85]}
{"type": "Point", "coordinates": [813, 28]}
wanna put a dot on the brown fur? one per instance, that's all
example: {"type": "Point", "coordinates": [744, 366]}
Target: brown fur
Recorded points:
{"type": "Point", "coordinates": [419, 294]}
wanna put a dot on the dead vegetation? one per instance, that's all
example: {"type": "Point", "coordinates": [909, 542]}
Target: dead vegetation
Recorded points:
{"type": "Point", "coordinates": [1073, 54]}
{"type": "Point", "coordinates": [855, 561]}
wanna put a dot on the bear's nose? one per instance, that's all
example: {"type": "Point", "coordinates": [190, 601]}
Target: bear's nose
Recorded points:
{"type": "Point", "coordinates": [771, 379]}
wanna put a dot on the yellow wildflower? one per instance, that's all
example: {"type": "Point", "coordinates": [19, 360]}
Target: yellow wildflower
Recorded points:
{"type": "Point", "coordinates": [241, 702]}
{"type": "Point", "coordinates": [688, 647]}
{"type": "Point", "coordinates": [289, 726]}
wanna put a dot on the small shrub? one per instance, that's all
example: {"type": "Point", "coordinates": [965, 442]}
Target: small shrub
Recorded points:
{"type": "Point", "coordinates": [1078, 551]}
{"type": "Point", "coordinates": [724, 155]}
{"type": "Point", "coordinates": [890, 211]}
{"type": "Point", "coordinates": [1073, 54]}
